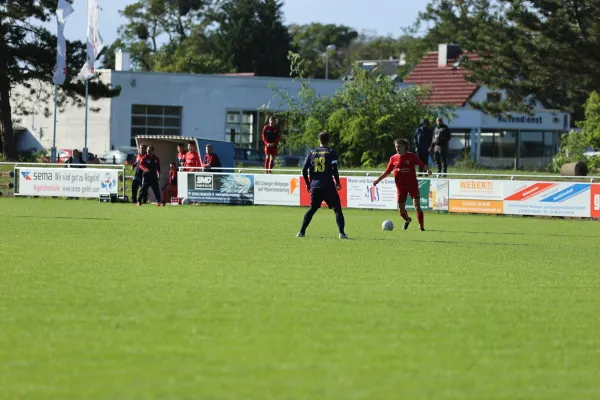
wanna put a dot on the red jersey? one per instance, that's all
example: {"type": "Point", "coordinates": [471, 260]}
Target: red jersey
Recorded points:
{"type": "Point", "coordinates": [181, 159]}
{"type": "Point", "coordinates": [403, 166]}
{"type": "Point", "coordinates": [173, 177]}
{"type": "Point", "coordinates": [211, 161]}
{"type": "Point", "coordinates": [192, 159]}
{"type": "Point", "coordinates": [271, 134]}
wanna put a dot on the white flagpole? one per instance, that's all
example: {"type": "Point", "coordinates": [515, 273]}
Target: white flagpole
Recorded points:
{"type": "Point", "coordinates": [54, 152]}
{"type": "Point", "coordinates": [85, 149]}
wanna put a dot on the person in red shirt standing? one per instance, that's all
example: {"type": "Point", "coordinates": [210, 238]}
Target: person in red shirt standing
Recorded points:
{"type": "Point", "coordinates": [180, 155]}
{"type": "Point", "coordinates": [403, 165]}
{"type": "Point", "coordinates": [211, 159]}
{"type": "Point", "coordinates": [171, 189]}
{"type": "Point", "coordinates": [192, 158]}
{"type": "Point", "coordinates": [270, 137]}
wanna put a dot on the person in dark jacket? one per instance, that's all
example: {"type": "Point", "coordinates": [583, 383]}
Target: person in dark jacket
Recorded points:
{"type": "Point", "coordinates": [441, 139]}
{"type": "Point", "coordinates": [422, 140]}
{"type": "Point", "coordinates": [150, 167]}
{"type": "Point", "coordinates": [76, 158]}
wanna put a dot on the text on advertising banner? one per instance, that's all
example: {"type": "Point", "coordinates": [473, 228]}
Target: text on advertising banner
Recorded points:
{"type": "Point", "coordinates": [553, 199]}
{"type": "Point", "coordinates": [474, 196]}
{"type": "Point", "coordinates": [362, 194]}
{"type": "Point", "coordinates": [66, 182]}
{"type": "Point", "coordinates": [275, 189]}
{"type": "Point", "coordinates": [220, 188]}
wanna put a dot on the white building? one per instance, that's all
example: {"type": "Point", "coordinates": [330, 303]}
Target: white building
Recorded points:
{"type": "Point", "coordinates": [214, 106]}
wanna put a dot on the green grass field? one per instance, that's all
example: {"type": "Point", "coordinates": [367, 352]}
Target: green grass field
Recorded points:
{"type": "Point", "coordinates": [111, 301]}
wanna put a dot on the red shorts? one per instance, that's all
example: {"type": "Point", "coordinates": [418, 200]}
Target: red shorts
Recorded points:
{"type": "Point", "coordinates": [271, 151]}
{"type": "Point", "coordinates": [403, 193]}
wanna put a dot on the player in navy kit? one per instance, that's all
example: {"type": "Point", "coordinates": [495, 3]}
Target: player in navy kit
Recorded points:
{"type": "Point", "coordinates": [321, 164]}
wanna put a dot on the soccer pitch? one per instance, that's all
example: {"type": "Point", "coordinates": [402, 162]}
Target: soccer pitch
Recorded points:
{"type": "Point", "coordinates": [111, 301]}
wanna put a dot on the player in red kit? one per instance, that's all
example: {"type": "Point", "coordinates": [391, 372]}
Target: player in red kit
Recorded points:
{"type": "Point", "coordinates": [181, 155]}
{"type": "Point", "coordinates": [192, 158]}
{"type": "Point", "coordinates": [171, 189]}
{"type": "Point", "coordinates": [270, 137]}
{"type": "Point", "coordinates": [403, 165]}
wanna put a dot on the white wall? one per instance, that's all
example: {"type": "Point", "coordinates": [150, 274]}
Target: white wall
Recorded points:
{"type": "Point", "coordinates": [481, 95]}
{"type": "Point", "coordinates": [69, 124]}
{"type": "Point", "coordinates": [204, 98]}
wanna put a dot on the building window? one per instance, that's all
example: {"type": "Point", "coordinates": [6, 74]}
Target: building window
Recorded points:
{"type": "Point", "coordinates": [155, 120]}
{"type": "Point", "coordinates": [498, 149]}
{"type": "Point", "coordinates": [241, 128]}
{"type": "Point", "coordinates": [494, 97]}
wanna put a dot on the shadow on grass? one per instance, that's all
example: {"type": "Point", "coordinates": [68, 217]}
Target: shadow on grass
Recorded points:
{"type": "Point", "coordinates": [60, 217]}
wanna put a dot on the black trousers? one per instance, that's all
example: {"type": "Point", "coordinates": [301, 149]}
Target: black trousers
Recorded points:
{"type": "Point", "coordinates": [424, 157]}
{"type": "Point", "coordinates": [441, 159]}
{"type": "Point", "coordinates": [147, 184]}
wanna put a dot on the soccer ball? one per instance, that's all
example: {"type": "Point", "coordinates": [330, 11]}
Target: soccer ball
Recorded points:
{"type": "Point", "coordinates": [387, 225]}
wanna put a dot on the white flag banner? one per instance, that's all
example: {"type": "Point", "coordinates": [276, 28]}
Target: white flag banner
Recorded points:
{"type": "Point", "coordinates": [95, 44]}
{"type": "Point", "coordinates": [63, 11]}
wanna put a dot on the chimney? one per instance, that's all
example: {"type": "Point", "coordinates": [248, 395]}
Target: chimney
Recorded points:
{"type": "Point", "coordinates": [447, 52]}
{"type": "Point", "coordinates": [122, 61]}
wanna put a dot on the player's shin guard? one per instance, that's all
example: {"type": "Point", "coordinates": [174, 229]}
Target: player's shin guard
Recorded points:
{"type": "Point", "coordinates": [421, 218]}
{"type": "Point", "coordinates": [340, 221]}
{"type": "Point", "coordinates": [271, 164]}
{"type": "Point", "coordinates": [307, 218]}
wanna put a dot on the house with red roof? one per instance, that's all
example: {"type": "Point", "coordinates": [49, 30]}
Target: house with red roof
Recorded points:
{"type": "Point", "coordinates": [504, 141]}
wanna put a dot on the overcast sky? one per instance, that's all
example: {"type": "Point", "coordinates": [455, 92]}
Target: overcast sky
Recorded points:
{"type": "Point", "coordinates": [384, 17]}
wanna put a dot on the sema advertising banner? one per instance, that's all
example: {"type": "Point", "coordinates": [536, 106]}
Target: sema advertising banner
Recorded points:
{"type": "Point", "coordinates": [362, 194]}
{"type": "Point", "coordinates": [476, 196]}
{"type": "Point", "coordinates": [439, 196]}
{"type": "Point", "coordinates": [283, 190]}
{"type": "Point", "coordinates": [220, 188]}
{"type": "Point", "coordinates": [66, 182]}
{"type": "Point", "coordinates": [551, 199]}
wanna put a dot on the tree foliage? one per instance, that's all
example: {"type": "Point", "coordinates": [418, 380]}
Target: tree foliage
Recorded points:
{"type": "Point", "coordinates": [536, 50]}
{"type": "Point", "coordinates": [591, 125]}
{"type": "Point", "coordinates": [363, 117]}
{"type": "Point", "coordinates": [28, 59]}
{"type": "Point", "coordinates": [252, 37]}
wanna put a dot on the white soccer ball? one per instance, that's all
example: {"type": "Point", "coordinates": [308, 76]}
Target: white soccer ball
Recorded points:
{"type": "Point", "coordinates": [387, 225]}
{"type": "Point", "coordinates": [186, 201]}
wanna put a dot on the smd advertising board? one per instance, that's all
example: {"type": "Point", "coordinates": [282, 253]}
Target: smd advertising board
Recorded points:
{"type": "Point", "coordinates": [220, 188]}
{"type": "Point", "coordinates": [66, 182]}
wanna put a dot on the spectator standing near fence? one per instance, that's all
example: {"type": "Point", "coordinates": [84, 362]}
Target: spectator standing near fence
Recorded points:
{"type": "Point", "coordinates": [441, 140]}
{"type": "Point", "coordinates": [270, 137]}
{"type": "Point", "coordinates": [192, 158]}
{"type": "Point", "coordinates": [150, 167]}
{"type": "Point", "coordinates": [211, 159]}
{"type": "Point", "coordinates": [75, 159]}
{"type": "Point", "coordinates": [171, 188]}
{"type": "Point", "coordinates": [422, 141]}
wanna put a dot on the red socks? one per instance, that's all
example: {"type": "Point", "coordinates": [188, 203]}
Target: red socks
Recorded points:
{"type": "Point", "coordinates": [421, 218]}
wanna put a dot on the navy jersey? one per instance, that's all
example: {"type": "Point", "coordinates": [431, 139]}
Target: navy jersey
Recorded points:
{"type": "Point", "coordinates": [321, 166]}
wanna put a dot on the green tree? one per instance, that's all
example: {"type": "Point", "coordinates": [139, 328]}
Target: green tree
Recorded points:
{"type": "Point", "coordinates": [154, 23]}
{"type": "Point", "coordinates": [252, 37]}
{"type": "Point", "coordinates": [363, 117]}
{"type": "Point", "coordinates": [536, 50]}
{"type": "Point", "coordinates": [591, 125]}
{"type": "Point", "coordinates": [310, 42]}
{"type": "Point", "coordinates": [28, 59]}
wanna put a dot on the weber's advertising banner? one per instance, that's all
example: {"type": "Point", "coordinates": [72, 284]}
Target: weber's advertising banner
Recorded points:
{"type": "Point", "coordinates": [476, 196]}
{"type": "Point", "coordinates": [220, 188]}
{"type": "Point", "coordinates": [66, 182]}
{"type": "Point", "coordinates": [552, 199]}
{"type": "Point", "coordinates": [273, 189]}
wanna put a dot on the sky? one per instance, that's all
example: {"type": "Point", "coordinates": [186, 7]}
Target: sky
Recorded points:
{"type": "Point", "coordinates": [383, 17]}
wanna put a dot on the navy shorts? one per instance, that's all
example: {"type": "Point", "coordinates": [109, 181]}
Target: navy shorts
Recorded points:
{"type": "Point", "coordinates": [328, 195]}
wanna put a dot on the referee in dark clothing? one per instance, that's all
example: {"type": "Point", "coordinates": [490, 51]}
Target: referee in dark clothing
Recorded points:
{"type": "Point", "coordinates": [422, 140]}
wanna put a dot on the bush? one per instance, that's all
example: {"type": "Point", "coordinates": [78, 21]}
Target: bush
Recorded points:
{"type": "Point", "coordinates": [572, 149]}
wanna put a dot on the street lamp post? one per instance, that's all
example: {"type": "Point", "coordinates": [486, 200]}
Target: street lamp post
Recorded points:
{"type": "Point", "coordinates": [327, 50]}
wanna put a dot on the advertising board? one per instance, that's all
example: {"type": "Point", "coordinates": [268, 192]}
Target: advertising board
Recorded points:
{"type": "Point", "coordinates": [220, 188]}
{"type": "Point", "coordinates": [439, 195]}
{"type": "Point", "coordinates": [66, 182]}
{"type": "Point", "coordinates": [283, 190]}
{"type": "Point", "coordinates": [595, 201]}
{"type": "Point", "coordinates": [305, 195]}
{"type": "Point", "coordinates": [475, 196]}
{"type": "Point", "coordinates": [553, 199]}
{"type": "Point", "coordinates": [362, 194]}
